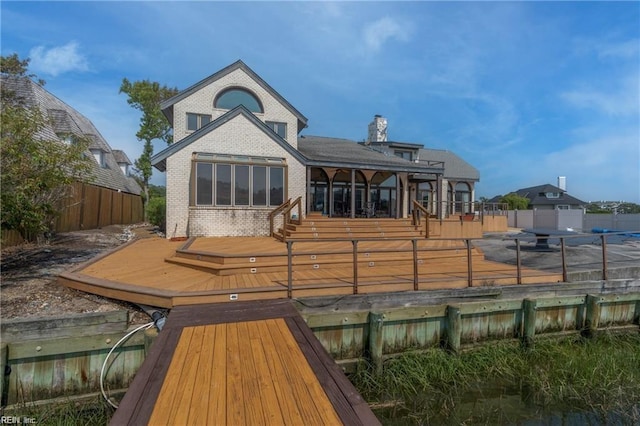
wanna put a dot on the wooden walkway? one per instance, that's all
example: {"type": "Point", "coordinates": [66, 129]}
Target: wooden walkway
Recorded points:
{"type": "Point", "coordinates": [246, 363]}
{"type": "Point", "coordinates": [163, 273]}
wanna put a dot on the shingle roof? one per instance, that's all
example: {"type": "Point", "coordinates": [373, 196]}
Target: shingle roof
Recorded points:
{"type": "Point", "coordinates": [537, 197]}
{"type": "Point", "coordinates": [66, 120]}
{"type": "Point", "coordinates": [120, 156]}
{"type": "Point", "coordinates": [454, 166]}
{"type": "Point", "coordinates": [338, 152]}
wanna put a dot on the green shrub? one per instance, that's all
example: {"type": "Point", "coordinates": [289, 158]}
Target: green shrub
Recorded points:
{"type": "Point", "coordinates": [157, 212]}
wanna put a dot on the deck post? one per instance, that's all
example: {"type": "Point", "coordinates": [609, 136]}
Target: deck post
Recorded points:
{"type": "Point", "coordinates": [376, 322]}
{"type": "Point", "coordinates": [289, 269]}
{"type": "Point", "coordinates": [564, 259]}
{"type": "Point", "coordinates": [604, 256]}
{"type": "Point", "coordinates": [355, 266]}
{"type": "Point", "coordinates": [453, 329]}
{"type": "Point", "coordinates": [529, 307]}
{"type": "Point", "coordinates": [592, 316]}
{"type": "Point", "coordinates": [414, 243]}
{"type": "Point", "coordinates": [518, 263]}
{"type": "Point", "coordinates": [469, 264]}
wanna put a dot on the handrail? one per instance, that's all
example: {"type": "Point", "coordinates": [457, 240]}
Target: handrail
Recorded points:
{"type": "Point", "coordinates": [285, 210]}
{"type": "Point", "coordinates": [417, 208]}
{"type": "Point", "coordinates": [275, 212]}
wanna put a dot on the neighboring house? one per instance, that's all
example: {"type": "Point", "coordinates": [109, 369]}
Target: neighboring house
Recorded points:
{"type": "Point", "coordinates": [548, 197]}
{"type": "Point", "coordinates": [110, 172]}
{"type": "Point", "coordinates": [238, 154]}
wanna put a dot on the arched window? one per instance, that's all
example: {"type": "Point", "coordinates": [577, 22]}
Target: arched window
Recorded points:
{"type": "Point", "coordinates": [233, 97]}
{"type": "Point", "coordinates": [463, 197]}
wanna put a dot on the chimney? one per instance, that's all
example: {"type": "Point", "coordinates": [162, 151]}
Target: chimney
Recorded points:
{"type": "Point", "coordinates": [562, 183]}
{"type": "Point", "coordinates": [377, 130]}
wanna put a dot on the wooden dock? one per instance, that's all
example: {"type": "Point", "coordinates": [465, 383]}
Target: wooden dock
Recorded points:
{"type": "Point", "coordinates": [246, 363]}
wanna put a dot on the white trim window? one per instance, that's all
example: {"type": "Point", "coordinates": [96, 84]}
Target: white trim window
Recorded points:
{"type": "Point", "coordinates": [196, 121]}
{"type": "Point", "coordinates": [279, 128]}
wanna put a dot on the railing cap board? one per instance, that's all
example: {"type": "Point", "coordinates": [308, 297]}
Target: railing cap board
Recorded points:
{"type": "Point", "coordinates": [64, 326]}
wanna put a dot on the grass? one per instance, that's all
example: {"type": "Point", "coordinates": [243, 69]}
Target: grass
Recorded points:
{"type": "Point", "coordinates": [596, 381]}
{"type": "Point", "coordinates": [72, 413]}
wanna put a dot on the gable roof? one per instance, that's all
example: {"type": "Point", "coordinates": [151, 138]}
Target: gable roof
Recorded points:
{"type": "Point", "coordinates": [335, 152]}
{"type": "Point", "coordinates": [63, 119]}
{"type": "Point", "coordinates": [159, 160]}
{"type": "Point", "coordinates": [537, 197]}
{"type": "Point", "coordinates": [454, 166]}
{"type": "Point", "coordinates": [167, 105]}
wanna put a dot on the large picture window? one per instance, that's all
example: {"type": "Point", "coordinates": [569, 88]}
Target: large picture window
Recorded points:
{"type": "Point", "coordinates": [248, 181]}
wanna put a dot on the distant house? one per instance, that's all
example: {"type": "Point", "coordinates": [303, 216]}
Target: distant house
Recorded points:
{"type": "Point", "coordinates": [238, 155]}
{"type": "Point", "coordinates": [548, 197]}
{"type": "Point", "coordinates": [110, 195]}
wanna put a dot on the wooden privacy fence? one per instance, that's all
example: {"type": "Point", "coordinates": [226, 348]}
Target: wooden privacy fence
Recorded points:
{"type": "Point", "coordinates": [357, 335]}
{"type": "Point", "coordinates": [46, 358]}
{"type": "Point", "coordinates": [91, 207]}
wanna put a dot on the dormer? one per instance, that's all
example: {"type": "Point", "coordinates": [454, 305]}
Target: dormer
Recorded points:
{"type": "Point", "coordinates": [122, 160]}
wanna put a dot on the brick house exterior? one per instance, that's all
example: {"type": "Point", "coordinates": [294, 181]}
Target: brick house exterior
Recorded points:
{"type": "Point", "coordinates": [239, 154]}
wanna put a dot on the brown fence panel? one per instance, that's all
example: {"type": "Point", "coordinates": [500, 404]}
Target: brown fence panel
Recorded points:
{"type": "Point", "coordinates": [90, 207]}
{"type": "Point", "coordinates": [71, 211]}
{"type": "Point", "coordinates": [116, 207]}
{"type": "Point", "coordinates": [126, 209]}
{"type": "Point", "coordinates": [11, 237]}
{"type": "Point", "coordinates": [104, 212]}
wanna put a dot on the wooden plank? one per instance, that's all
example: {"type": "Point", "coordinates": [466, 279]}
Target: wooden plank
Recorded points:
{"type": "Point", "coordinates": [217, 412]}
{"type": "Point", "coordinates": [73, 325]}
{"type": "Point", "coordinates": [235, 391]}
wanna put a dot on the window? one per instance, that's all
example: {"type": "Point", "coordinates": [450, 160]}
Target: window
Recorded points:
{"type": "Point", "coordinates": [248, 181]}
{"type": "Point", "coordinates": [99, 156]}
{"type": "Point", "coordinates": [223, 184]}
{"type": "Point", "coordinates": [403, 154]}
{"type": "Point", "coordinates": [231, 98]}
{"type": "Point", "coordinates": [204, 183]}
{"type": "Point", "coordinates": [563, 207]}
{"type": "Point", "coordinates": [279, 128]}
{"type": "Point", "coordinates": [259, 186]}
{"type": "Point", "coordinates": [196, 121]}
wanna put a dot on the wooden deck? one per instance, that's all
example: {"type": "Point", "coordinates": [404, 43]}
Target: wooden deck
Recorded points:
{"type": "Point", "coordinates": [247, 363]}
{"type": "Point", "coordinates": [162, 273]}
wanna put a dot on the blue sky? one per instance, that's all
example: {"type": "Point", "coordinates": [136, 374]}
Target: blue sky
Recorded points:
{"type": "Point", "coordinates": [524, 91]}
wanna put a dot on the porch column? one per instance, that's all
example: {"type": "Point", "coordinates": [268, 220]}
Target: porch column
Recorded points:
{"type": "Point", "coordinates": [331, 197]}
{"type": "Point", "coordinates": [353, 193]}
{"type": "Point", "coordinates": [398, 196]}
{"type": "Point", "coordinates": [440, 191]}
{"type": "Point", "coordinates": [308, 191]}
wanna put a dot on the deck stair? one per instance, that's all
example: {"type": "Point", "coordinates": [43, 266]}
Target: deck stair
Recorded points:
{"type": "Point", "coordinates": [318, 227]}
{"type": "Point", "coordinates": [336, 256]}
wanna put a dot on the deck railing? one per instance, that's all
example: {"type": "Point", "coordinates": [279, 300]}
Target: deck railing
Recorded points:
{"type": "Point", "coordinates": [284, 210]}
{"type": "Point", "coordinates": [418, 208]}
{"type": "Point", "coordinates": [602, 271]}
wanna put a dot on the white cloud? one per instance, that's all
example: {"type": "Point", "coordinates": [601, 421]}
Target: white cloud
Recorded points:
{"type": "Point", "coordinates": [57, 60]}
{"type": "Point", "coordinates": [378, 32]}
{"type": "Point", "coordinates": [623, 100]}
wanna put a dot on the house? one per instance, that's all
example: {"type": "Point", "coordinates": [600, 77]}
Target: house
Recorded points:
{"type": "Point", "coordinates": [549, 197]}
{"type": "Point", "coordinates": [239, 154]}
{"type": "Point", "coordinates": [109, 180]}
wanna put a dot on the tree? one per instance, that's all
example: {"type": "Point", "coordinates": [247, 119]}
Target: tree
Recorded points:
{"type": "Point", "coordinates": [515, 201]}
{"type": "Point", "coordinates": [147, 96]}
{"type": "Point", "coordinates": [35, 169]}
